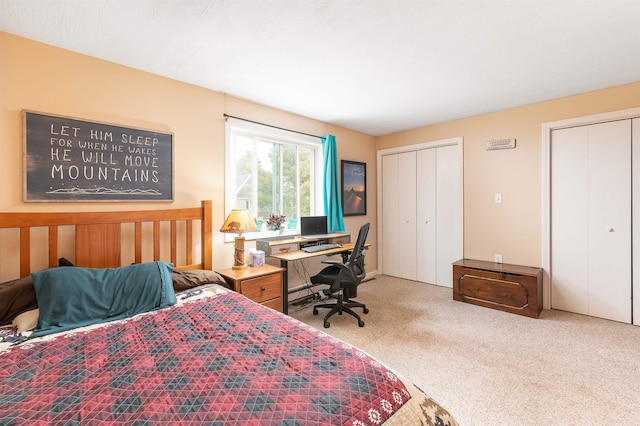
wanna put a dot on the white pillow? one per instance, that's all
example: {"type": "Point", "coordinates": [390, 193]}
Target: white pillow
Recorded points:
{"type": "Point", "coordinates": [26, 321]}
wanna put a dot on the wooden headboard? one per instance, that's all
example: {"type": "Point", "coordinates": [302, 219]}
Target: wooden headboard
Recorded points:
{"type": "Point", "coordinates": [99, 235]}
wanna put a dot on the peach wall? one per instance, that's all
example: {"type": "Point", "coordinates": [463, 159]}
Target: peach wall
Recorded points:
{"type": "Point", "coordinates": [512, 228]}
{"type": "Point", "coordinates": [44, 78]}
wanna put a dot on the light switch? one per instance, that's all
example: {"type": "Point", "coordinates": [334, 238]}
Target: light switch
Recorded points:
{"type": "Point", "coordinates": [498, 198]}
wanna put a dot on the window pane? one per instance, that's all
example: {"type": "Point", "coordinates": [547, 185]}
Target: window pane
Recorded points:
{"type": "Point", "coordinates": [306, 195]}
{"type": "Point", "coordinates": [272, 172]}
{"type": "Point", "coordinates": [290, 181]}
{"type": "Point", "coordinates": [265, 184]}
{"type": "Point", "coordinates": [245, 157]}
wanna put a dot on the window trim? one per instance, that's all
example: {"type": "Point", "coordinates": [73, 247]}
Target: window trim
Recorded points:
{"type": "Point", "coordinates": [280, 135]}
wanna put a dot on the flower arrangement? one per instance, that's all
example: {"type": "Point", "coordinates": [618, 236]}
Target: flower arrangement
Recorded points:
{"type": "Point", "coordinates": [276, 221]}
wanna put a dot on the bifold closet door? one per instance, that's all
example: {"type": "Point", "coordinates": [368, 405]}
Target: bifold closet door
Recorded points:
{"type": "Point", "coordinates": [399, 215]}
{"type": "Point", "coordinates": [591, 220]}
{"type": "Point", "coordinates": [635, 169]}
{"type": "Point", "coordinates": [421, 214]}
{"type": "Point", "coordinates": [426, 220]}
{"type": "Point", "coordinates": [438, 214]}
{"type": "Point", "coordinates": [448, 212]}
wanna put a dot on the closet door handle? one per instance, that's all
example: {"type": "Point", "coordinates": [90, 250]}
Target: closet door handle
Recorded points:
{"type": "Point", "coordinates": [609, 229]}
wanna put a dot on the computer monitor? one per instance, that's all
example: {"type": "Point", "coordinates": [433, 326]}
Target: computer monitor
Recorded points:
{"type": "Point", "coordinates": [313, 226]}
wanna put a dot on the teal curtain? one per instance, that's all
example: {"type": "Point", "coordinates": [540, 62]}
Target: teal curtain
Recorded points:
{"type": "Point", "coordinates": [332, 205]}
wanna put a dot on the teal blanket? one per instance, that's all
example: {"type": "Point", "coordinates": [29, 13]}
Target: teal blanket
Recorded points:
{"type": "Point", "coordinates": [70, 297]}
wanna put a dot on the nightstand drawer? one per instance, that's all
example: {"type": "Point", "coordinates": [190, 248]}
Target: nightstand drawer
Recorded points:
{"type": "Point", "coordinates": [263, 288]}
{"type": "Point", "coordinates": [262, 284]}
{"type": "Point", "coordinates": [275, 304]}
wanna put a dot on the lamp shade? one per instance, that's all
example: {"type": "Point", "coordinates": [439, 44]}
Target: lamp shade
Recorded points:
{"type": "Point", "coordinates": [239, 221]}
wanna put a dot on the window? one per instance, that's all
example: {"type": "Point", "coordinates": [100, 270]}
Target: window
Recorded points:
{"type": "Point", "coordinates": [270, 170]}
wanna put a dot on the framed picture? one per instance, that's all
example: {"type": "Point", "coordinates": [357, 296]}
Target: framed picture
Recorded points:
{"type": "Point", "coordinates": [354, 188]}
{"type": "Point", "coordinates": [70, 159]}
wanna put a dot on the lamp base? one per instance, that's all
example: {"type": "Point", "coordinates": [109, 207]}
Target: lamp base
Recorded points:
{"type": "Point", "coordinates": [238, 255]}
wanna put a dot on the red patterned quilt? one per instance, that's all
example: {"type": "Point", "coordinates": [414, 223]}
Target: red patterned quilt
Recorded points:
{"type": "Point", "coordinates": [217, 360]}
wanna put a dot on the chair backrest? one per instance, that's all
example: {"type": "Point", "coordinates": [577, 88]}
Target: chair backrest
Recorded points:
{"type": "Point", "coordinates": [358, 247]}
{"type": "Point", "coordinates": [356, 259]}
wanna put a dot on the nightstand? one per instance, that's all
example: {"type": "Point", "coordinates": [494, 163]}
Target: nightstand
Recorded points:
{"type": "Point", "coordinates": [262, 284]}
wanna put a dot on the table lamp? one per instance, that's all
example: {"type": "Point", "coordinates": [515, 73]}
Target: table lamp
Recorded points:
{"type": "Point", "coordinates": [239, 221]}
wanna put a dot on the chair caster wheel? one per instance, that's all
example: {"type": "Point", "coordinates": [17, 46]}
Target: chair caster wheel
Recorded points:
{"type": "Point", "coordinates": [366, 311]}
{"type": "Point", "coordinates": [326, 324]}
{"type": "Point", "coordinates": [315, 311]}
{"type": "Point", "coordinates": [361, 323]}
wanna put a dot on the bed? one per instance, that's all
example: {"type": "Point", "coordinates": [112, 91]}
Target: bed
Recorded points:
{"type": "Point", "coordinates": [131, 326]}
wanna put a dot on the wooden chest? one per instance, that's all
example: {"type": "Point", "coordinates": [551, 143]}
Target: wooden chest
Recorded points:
{"type": "Point", "coordinates": [510, 288]}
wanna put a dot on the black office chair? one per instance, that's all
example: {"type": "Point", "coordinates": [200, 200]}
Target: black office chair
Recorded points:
{"type": "Point", "coordinates": [343, 278]}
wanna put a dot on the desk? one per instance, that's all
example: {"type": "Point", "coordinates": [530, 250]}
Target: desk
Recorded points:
{"type": "Point", "coordinates": [292, 256]}
{"type": "Point", "coordinates": [273, 246]}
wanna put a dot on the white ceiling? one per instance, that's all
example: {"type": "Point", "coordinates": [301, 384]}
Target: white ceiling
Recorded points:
{"type": "Point", "coordinates": [376, 66]}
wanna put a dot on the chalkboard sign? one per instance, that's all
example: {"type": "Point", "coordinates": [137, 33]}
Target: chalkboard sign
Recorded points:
{"type": "Point", "coordinates": [67, 159]}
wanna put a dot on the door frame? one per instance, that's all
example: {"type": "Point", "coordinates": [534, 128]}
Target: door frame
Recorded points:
{"type": "Point", "coordinates": [458, 141]}
{"type": "Point", "coordinates": [547, 128]}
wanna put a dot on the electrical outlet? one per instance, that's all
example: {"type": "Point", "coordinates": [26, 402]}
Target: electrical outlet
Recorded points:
{"type": "Point", "coordinates": [498, 258]}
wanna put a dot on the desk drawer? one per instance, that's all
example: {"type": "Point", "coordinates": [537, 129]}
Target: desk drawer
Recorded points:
{"type": "Point", "coordinates": [346, 239]}
{"type": "Point", "coordinates": [283, 248]}
{"type": "Point", "coordinates": [263, 288]}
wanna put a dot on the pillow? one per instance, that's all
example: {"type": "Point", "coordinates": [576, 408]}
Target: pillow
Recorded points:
{"type": "Point", "coordinates": [19, 295]}
{"type": "Point", "coordinates": [16, 296]}
{"type": "Point", "coordinates": [26, 321]}
{"type": "Point", "coordinates": [75, 297]}
{"type": "Point", "coordinates": [184, 280]}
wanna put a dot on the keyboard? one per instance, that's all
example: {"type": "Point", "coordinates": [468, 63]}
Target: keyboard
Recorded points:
{"type": "Point", "coordinates": [320, 247]}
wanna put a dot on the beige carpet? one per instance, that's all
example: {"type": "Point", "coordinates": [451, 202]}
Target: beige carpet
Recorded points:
{"type": "Point", "coordinates": [494, 368]}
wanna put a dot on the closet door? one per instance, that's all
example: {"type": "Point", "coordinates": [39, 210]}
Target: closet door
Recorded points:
{"type": "Point", "coordinates": [569, 220]}
{"type": "Point", "coordinates": [407, 206]}
{"type": "Point", "coordinates": [399, 215]}
{"type": "Point", "coordinates": [390, 215]}
{"type": "Point", "coordinates": [591, 220]}
{"type": "Point", "coordinates": [426, 216]}
{"type": "Point", "coordinates": [438, 214]}
{"type": "Point", "coordinates": [422, 214]}
{"type": "Point", "coordinates": [635, 166]}
{"type": "Point", "coordinates": [610, 221]}
{"type": "Point", "coordinates": [448, 213]}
